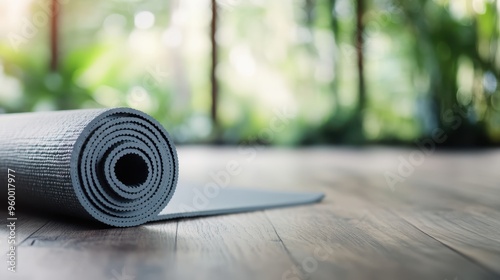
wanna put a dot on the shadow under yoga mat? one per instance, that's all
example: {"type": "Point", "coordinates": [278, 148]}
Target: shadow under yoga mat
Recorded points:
{"type": "Point", "coordinates": [117, 166]}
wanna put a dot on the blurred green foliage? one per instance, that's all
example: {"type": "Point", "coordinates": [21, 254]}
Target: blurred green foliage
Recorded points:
{"type": "Point", "coordinates": [287, 69]}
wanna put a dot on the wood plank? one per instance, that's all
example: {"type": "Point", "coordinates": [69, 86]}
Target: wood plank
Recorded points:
{"type": "Point", "coordinates": [449, 205]}
{"type": "Point", "coordinates": [376, 246]}
{"type": "Point", "coordinates": [441, 223]}
{"type": "Point", "coordinates": [368, 242]}
{"type": "Point", "coordinates": [364, 185]}
{"type": "Point", "coordinates": [65, 249]}
{"type": "Point", "coordinates": [474, 232]}
{"type": "Point", "coordinates": [240, 246]}
{"type": "Point", "coordinates": [26, 225]}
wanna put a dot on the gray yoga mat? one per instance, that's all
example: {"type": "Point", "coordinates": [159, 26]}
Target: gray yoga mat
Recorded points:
{"type": "Point", "coordinates": [117, 166]}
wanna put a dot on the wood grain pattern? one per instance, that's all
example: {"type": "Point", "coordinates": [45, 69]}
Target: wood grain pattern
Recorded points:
{"type": "Point", "coordinates": [441, 222]}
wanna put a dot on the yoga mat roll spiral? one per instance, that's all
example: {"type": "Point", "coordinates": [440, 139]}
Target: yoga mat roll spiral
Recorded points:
{"type": "Point", "coordinates": [116, 166]}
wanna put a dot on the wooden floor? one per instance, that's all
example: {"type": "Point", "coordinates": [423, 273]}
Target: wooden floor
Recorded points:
{"type": "Point", "coordinates": [441, 221]}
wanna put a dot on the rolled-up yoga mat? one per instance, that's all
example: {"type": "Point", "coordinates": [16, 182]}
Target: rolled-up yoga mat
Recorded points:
{"type": "Point", "coordinates": [117, 166]}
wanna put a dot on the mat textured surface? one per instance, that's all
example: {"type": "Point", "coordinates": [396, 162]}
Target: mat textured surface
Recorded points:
{"type": "Point", "coordinates": [116, 166]}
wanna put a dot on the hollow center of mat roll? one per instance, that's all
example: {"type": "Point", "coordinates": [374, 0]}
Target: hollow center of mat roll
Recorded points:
{"type": "Point", "coordinates": [131, 170]}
